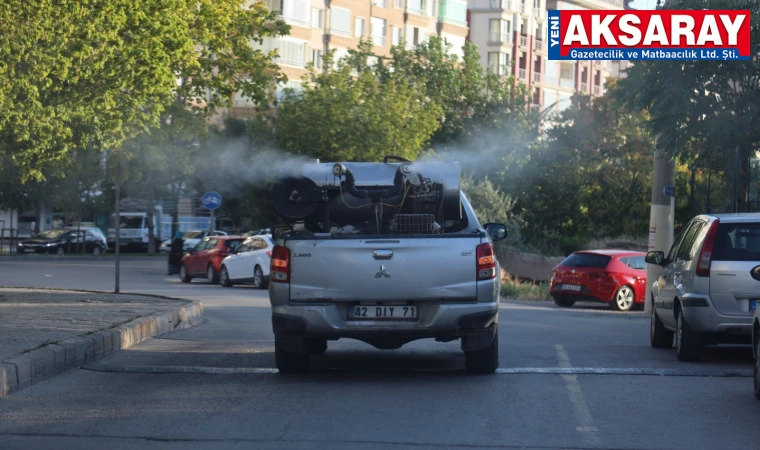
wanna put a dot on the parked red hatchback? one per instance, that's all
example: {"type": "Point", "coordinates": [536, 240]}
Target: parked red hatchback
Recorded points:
{"type": "Point", "coordinates": [205, 259]}
{"type": "Point", "coordinates": [617, 277]}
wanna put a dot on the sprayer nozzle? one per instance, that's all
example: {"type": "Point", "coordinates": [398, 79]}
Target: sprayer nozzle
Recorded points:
{"type": "Point", "coordinates": [339, 169]}
{"type": "Point", "coordinates": [406, 168]}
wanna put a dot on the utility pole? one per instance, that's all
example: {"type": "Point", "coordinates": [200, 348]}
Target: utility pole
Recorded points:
{"type": "Point", "coordinates": [117, 244]}
{"type": "Point", "coordinates": [662, 214]}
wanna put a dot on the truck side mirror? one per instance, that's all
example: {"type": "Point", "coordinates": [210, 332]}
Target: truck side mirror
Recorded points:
{"type": "Point", "coordinates": [497, 231]}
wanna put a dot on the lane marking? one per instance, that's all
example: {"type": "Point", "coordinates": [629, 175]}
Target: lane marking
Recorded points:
{"type": "Point", "coordinates": [582, 411]}
{"type": "Point", "coordinates": [500, 371]}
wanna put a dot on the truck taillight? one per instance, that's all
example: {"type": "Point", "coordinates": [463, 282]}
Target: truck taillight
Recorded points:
{"type": "Point", "coordinates": [269, 254]}
{"type": "Point", "coordinates": [705, 254]}
{"type": "Point", "coordinates": [280, 267]}
{"type": "Point", "coordinates": [486, 261]}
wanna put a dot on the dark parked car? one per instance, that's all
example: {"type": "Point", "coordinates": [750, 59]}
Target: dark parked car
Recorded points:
{"type": "Point", "coordinates": [616, 277]}
{"type": "Point", "coordinates": [84, 240]}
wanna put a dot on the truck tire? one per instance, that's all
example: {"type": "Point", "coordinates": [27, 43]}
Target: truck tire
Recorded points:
{"type": "Point", "coordinates": [688, 341]}
{"type": "Point", "coordinates": [484, 361]}
{"type": "Point", "coordinates": [316, 346]}
{"type": "Point", "coordinates": [290, 362]}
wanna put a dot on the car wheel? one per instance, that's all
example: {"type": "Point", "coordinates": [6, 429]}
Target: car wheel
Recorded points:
{"type": "Point", "coordinates": [484, 361]}
{"type": "Point", "coordinates": [59, 251]}
{"type": "Point", "coordinates": [211, 275]}
{"type": "Point", "coordinates": [659, 336]}
{"type": "Point", "coordinates": [224, 278]}
{"type": "Point", "coordinates": [96, 250]}
{"type": "Point", "coordinates": [259, 281]}
{"type": "Point", "coordinates": [623, 300]}
{"type": "Point", "coordinates": [563, 302]}
{"type": "Point", "coordinates": [183, 275]}
{"type": "Point", "coordinates": [688, 342]}
{"type": "Point", "coordinates": [290, 362]}
{"type": "Point", "coordinates": [757, 368]}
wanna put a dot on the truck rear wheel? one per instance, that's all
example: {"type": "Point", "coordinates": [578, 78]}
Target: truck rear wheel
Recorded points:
{"type": "Point", "coordinates": [290, 362]}
{"type": "Point", "coordinates": [484, 361]}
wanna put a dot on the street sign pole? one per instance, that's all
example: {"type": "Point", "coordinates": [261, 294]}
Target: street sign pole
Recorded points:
{"type": "Point", "coordinates": [211, 200]}
{"type": "Point", "coordinates": [117, 244]}
{"type": "Point", "coordinates": [661, 215]}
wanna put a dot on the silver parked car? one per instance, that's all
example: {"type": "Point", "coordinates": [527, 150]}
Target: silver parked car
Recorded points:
{"type": "Point", "coordinates": [709, 286]}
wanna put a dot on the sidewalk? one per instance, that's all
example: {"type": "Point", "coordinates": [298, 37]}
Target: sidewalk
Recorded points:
{"type": "Point", "coordinates": [44, 332]}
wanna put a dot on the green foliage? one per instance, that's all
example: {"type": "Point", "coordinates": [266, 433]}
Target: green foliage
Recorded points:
{"type": "Point", "coordinates": [93, 73]}
{"type": "Point", "coordinates": [514, 288]}
{"type": "Point", "coordinates": [701, 110]}
{"type": "Point", "coordinates": [591, 178]}
{"type": "Point", "coordinates": [339, 116]}
{"type": "Point", "coordinates": [492, 206]}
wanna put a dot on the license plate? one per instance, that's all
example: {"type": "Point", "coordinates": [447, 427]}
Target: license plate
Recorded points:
{"type": "Point", "coordinates": [28, 250]}
{"type": "Point", "coordinates": [570, 287]}
{"type": "Point", "coordinates": [361, 312]}
{"type": "Point", "coordinates": [752, 305]}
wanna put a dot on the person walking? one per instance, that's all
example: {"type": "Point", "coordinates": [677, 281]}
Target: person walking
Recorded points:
{"type": "Point", "coordinates": [175, 253]}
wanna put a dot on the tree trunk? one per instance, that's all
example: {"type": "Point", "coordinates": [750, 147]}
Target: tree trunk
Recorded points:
{"type": "Point", "coordinates": [175, 212]}
{"type": "Point", "coordinates": [744, 175]}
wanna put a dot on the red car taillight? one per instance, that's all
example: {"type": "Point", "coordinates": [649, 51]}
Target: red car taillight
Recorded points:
{"type": "Point", "coordinates": [705, 255]}
{"type": "Point", "coordinates": [269, 254]}
{"type": "Point", "coordinates": [486, 262]}
{"type": "Point", "coordinates": [280, 266]}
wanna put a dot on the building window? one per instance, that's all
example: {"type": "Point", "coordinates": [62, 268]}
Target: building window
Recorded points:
{"type": "Point", "coordinates": [340, 21]}
{"type": "Point", "coordinates": [380, 3]}
{"type": "Point", "coordinates": [317, 18]}
{"type": "Point", "coordinates": [395, 36]}
{"type": "Point", "coordinates": [377, 26]}
{"type": "Point", "coordinates": [316, 58]}
{"type": "Point", "coordinates": [398, 3]}
{"type": "Point", "coordinates": [456, 42]}
{"type": "Point", "coordinates": [296, 12]}
{"type": "Point", "coordinates": [359, 27]}
{"type": "Point", "coordinates": [292, 53]}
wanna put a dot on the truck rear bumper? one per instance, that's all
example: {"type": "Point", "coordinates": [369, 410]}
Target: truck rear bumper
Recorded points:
{"type": "Point", "coordinates": [475, 323]}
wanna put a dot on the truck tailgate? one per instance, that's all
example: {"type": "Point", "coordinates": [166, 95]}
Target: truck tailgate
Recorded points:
{"type": "Point", "coordinates": [435, 268]}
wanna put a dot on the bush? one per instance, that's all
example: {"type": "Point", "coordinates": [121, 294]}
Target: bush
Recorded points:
{"type": "Point", "coordinates": [619, 243]}
{"type": "Point", "coordinates": [512, 287]}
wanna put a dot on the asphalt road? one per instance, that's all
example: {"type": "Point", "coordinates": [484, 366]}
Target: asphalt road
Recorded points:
{"type": "Point", "coordinates": [358, 397]}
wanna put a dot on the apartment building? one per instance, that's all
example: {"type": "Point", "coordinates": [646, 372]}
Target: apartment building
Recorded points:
{"type": "Point", "coordinates": [511, 37]}
{"type": "Point", "coordinates": [317, 26]}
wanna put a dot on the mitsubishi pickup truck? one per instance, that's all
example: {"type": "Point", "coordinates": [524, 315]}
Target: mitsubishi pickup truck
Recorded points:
{"type": "Point", "coordinates": [385, 253]}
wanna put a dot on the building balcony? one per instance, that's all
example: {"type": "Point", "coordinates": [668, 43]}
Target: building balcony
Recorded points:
{"type": "Point", "coordinates": [539, 45]}
{"type": "Point", "coordinates": [453, 11]}
{"type": "Point", "coordinates": [290, 62]}
{"type": "Point", "coordinates": [537, 77]}
{"type": "Point", "coordinates": [523, 41]}
{"type": "Point", "coordinates": [567, 82]}
{"type": "Point", "coordinates": [338, 32]}
{"type": "Point", "coordinates": [380, 3]}
{"type": "Point", "coordinates": [537, 13]}
{"type": "Point", "coordinates": [501, 4]}
{"type": "Point", "coordinates": [597, 90]}
{"type": "Point", "coordinates": [523, 8]}
{"type": "Point", "coordinates": [379, 41]}
{"type": "Point", "coordinates": [550, 79]}
{"type": "Point", "coordinates": [522, 73]}
{"type": "Point", "coordinates": [497, 36]}
{"type": "Point", "coordinates": [584, 86]}
{"type": "Point", "coordinates": [416, 11]}
{"type": "Point", "coordinates": [292, 12]}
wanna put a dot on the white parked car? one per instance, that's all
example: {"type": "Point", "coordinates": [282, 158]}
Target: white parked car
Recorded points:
{"type": "Point", "coordinates": [756, 343]}
{"type": "Point", "coordinates": [249, 263]}
{"type": "Point", "coordinates": [191, 239]}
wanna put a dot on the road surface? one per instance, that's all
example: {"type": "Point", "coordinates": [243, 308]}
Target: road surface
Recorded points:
{"type": "Point", "coordinates": [563, 383]}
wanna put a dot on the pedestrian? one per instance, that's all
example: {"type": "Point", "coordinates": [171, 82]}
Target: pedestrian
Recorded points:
{"type": "Point", "coordinates": [175, 253]}
{"type": "Point", "coordinates": [57, 223]}
{"type": "Point", "coordinates": [33, 228]}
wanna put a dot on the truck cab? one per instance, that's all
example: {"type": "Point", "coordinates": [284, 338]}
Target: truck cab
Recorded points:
{"type": "Point", "coordinates": [134, 232]}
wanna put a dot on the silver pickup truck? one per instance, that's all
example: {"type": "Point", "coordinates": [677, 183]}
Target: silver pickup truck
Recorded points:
{"type": "Point", "coordinates": [385, 253]}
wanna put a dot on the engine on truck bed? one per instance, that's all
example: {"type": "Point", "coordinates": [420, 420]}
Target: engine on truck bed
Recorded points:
{"type": "Point", "coordinates": [371, 198]}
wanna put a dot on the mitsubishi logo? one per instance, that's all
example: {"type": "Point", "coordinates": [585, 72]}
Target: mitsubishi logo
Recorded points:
{"type": "Point", "coordinates": [382, 273]}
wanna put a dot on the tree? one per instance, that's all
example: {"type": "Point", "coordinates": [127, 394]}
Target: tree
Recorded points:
{"type": "Point", "coordinates": [339, 116]}
{"type": "Point", "coordinates": [492, 206]}
{"type": "Point", "coordinates": [94, 72]}
{"type": "Point", "coordinates": [714, 103]}
{"type": "Point", "coordinates": [592, 176]}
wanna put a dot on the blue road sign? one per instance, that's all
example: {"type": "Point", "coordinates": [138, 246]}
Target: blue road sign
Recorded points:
{"type": "Point", "coordinates": [211, 200]}
{"type": "Point", "coordinates": [669, 191]}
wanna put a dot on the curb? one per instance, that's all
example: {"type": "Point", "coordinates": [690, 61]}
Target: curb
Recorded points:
{"type": "Point", "coordinates": [25, 370]}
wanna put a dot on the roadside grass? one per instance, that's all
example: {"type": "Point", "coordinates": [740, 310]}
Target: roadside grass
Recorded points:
{"type": "Point", "coordinates": [514, 288]}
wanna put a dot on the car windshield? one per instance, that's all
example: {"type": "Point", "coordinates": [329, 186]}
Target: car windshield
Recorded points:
{"type": "Point", "coordinates": [131, 222]}
{"type": "Point", "coordinates": [192, 234]}
{"type": "Point", "coordinates": [232, 243]}
{"type": "Point", "coordinates": [589, 260]}
{"type": "Point", "coordinates": [737, 242]}
{"type": "Point", "coordinates": [50, 234]}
